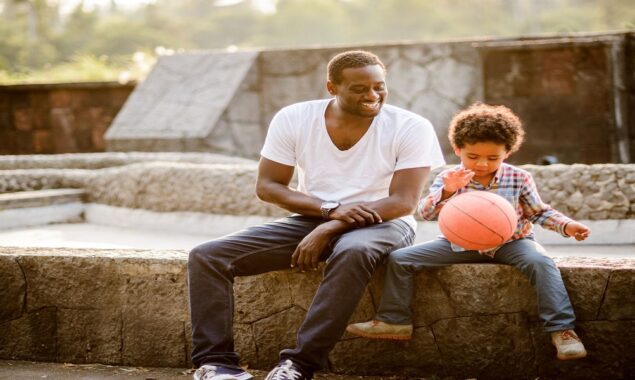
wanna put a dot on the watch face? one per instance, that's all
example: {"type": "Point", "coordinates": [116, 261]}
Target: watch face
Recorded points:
{"type": "Point", "coordinates": [330, 204]}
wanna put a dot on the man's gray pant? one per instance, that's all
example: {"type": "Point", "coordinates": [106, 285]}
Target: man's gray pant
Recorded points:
{"type": "Point", "coordinates": [351, 260]}
{"type": "Point", "coordinates": [525, 255]}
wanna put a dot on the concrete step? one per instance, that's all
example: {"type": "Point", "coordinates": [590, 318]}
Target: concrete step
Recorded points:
{"type": "Point", "coordinates": [26, 370]}
{"type": "Point", "coordinates": [40, 198]}
{"type": "Point", "coordinates": [40, 207]}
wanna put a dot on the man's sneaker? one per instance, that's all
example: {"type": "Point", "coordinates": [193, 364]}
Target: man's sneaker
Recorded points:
{"type": "Point", "coordinates": [215, 372]}
{"type": "Point", "coordinates": [568, 344]}
{"type": "Point", "coordinates": [380, 330]}
{"type": "Point", "coordinates": [287, 370]}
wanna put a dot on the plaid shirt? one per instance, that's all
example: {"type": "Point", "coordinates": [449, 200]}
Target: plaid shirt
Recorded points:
{"type": "Point", "coordinates": [512, 183]}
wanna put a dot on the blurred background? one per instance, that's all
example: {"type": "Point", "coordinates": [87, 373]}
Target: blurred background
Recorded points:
{"type": "Point", "coordinates": [95, 40]}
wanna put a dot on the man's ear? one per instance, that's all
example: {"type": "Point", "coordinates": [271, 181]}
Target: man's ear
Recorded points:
{"type": "Point", "coordinates": [507, 155]}
{"type": "Point", "coordinates": [457, 151]}
{"type": "Point", "coordinates": [331, 88]}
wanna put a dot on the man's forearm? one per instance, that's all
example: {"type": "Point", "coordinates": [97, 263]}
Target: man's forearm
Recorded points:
{"type": "Point", "coordinates": [289, 199]}
{"type": "Point", "coordinates": [394, 207]}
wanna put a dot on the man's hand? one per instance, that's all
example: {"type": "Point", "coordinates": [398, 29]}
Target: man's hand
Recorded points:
{"type": "Point", "coordinates": [307, 254]}
{"type": "Point", "coordinates": [456, 179]}
{"type": "Point", "coordinates": [578, 230]}
{"type": "Point", "coordinates": [356, 213]}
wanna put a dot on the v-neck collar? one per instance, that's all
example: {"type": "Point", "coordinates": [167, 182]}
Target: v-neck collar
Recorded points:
{"type": "Point", "coordinates": [359, 142]}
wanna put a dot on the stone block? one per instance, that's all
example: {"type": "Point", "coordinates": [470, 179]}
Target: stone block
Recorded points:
{"type": "Point", "coordinates": [245, 343]}
{"type": "Point", "coordinates": [586, 289]}
{"type": "Point", "coordinates": [80, 282]}
{"type": "Point", "coordinates": [417, 357]}
{"type": "Point", "coordinates": [490, 287]}
{"type": "Point", "coordinates": [12, 289]}
{"type": "Point", "coordinates": [155, 300]}
{"type": "Point", "coordinates": [22, 119]}
{"type": "Point", "coordinates": [489, 346]}
{"type": "Point", "coordinates": [183, 98]}
{"type": "Point", "coordinates": [89, 336]}
{"type": "Point", "coordinates": [275, 333]}
{"type": "Point", "coordinates": [619, 296]}
{"type": "Point", "coordinates": [31, 337]}
{"type": "Point", "coordinates": [258, 297]}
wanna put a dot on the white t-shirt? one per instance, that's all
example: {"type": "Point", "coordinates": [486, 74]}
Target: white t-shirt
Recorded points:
{"type": "Point", "coordinates": [396, 139]}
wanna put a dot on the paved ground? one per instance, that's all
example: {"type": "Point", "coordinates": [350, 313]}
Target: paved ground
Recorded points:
{"type": "Point", "coordinates": [23, 370]}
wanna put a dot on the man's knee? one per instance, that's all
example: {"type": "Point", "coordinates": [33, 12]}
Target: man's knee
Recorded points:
{"type": "Point", "coordinates": [207, 253]}
{"type": "Point", "coordinates": [354, 253]}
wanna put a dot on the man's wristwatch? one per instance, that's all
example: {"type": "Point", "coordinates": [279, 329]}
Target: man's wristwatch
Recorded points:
{"type": "Point", "coordinates": [327, 207]}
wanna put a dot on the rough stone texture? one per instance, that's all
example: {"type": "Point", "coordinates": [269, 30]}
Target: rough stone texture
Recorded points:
{"type": "Point", "coordinates": [130, 307]}
{"type": "Point", "coordinates": [226, 185]}
{"type": "Point", "coordinates": [182, 100]}
{"type": "Point", "coordinates": [492, 346]}
{"type": "Point", "coordinates": [619, 297]}
{"type": "Point", "coordinates": [32, 336]}
{"type": "Point", "coordinates": [110, 159]}
{"type": "Point", "coordinates": [12, 289]}
{"type": "Point", "coordinates": [181, 187]}
{"type": "Point", "coordinates": [415, 357]}
{"type": "Point", "coordinates": [89, 336]}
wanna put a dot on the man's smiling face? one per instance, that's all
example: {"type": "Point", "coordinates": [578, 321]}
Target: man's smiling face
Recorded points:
{"type": "Point", "coordinates": [362, 91]}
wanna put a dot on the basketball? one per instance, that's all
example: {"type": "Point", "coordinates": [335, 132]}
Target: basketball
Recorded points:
{"type": "Point", "coordinates": [478, 220]}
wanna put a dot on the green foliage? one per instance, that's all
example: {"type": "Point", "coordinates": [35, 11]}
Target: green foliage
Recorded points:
{"type": "Point", "coordinates": [36, 41]}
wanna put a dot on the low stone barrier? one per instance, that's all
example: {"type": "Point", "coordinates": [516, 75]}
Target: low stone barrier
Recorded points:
{"type": "Point", "coordinates": [216, 184]}
{"type": "Point", "coordinates": [129, 307]}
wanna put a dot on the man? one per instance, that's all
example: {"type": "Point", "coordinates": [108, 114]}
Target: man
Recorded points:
{"type": "Point", "coordinates": [362, 165]}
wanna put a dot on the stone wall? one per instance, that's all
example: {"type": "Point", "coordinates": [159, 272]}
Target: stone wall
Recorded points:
{"type": "Point", "coordinates": [224, 185]}
{"type": "Point", "coordinates": [130, 307]}
{"type": "Point", "coordinates": [559, 86]}
{"type": "Point", "coordinates": [58, 118]}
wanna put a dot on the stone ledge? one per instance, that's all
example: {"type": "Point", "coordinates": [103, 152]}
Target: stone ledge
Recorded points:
{"type": "Point", "coordinates": [40, 198]}
{"type": "Point", "coordinates": [106, 306]}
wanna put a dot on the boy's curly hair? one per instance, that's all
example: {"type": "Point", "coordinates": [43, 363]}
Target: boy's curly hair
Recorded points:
{"type": "Point", "coordinates": [486, 123]}
{"type": "Point", "coordinates": [348, 59]}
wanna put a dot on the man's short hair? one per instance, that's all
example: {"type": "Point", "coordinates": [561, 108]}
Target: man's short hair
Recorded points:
{"type": "Point", "coordinates": [350, 59]}
{"type": "Point", "coordinates": [486, 123]}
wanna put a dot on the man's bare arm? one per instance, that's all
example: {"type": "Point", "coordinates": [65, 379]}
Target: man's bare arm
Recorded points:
{"type": "Point", "coordinates": [404, 193]}
{"type": "Point", "coordinates": [272, 186]}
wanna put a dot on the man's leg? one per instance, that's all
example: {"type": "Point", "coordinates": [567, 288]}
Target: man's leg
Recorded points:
{"type": "Point", "coordinates": [554, 305]}
{"type": "Point", "coordinates": [349, 267]}
{"type": "Point", "coordinates": [403, 264]}
{"type": "Point", "coordinates": [212, 267]}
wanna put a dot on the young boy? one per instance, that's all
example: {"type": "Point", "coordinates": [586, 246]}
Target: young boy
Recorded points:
{"type": "Point", "coordinates": [483, 136]}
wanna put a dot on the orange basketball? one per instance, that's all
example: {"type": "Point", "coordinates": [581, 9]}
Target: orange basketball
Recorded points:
{"type": "Point", "coordinates": [478, 220]}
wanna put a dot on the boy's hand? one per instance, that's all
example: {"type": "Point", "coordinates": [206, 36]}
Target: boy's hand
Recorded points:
{"type": "Point", "coordinates": [577, 230]}
{"type": "Point", "coordinates": [456, 179]}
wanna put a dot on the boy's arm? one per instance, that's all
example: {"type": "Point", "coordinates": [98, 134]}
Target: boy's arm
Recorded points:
{"type": "Point", "coordinates": [536, 211]}
{"type": "Point", "coordinates": [430, 205]}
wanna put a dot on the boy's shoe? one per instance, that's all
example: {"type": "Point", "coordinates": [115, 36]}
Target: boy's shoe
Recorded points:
{"type": "Point", "coordinates": [287, 370]}
{"type": "Point", "coordinates": [217, 372]}
{"type": "Point", "coordinates": [380, 330]}
{"type": "Point", "coordinates": [568, 344]}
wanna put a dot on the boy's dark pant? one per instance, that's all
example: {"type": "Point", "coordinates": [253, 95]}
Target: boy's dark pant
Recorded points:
{"type": "Point", "coordinates": [350, 262]}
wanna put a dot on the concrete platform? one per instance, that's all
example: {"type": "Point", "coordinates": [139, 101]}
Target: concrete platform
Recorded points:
{"type": "Point", "coordinates": [25, 370]}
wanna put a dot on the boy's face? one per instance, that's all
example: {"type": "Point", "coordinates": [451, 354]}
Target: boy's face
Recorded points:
{"type": "Point", "coordinates": [483, 158]}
